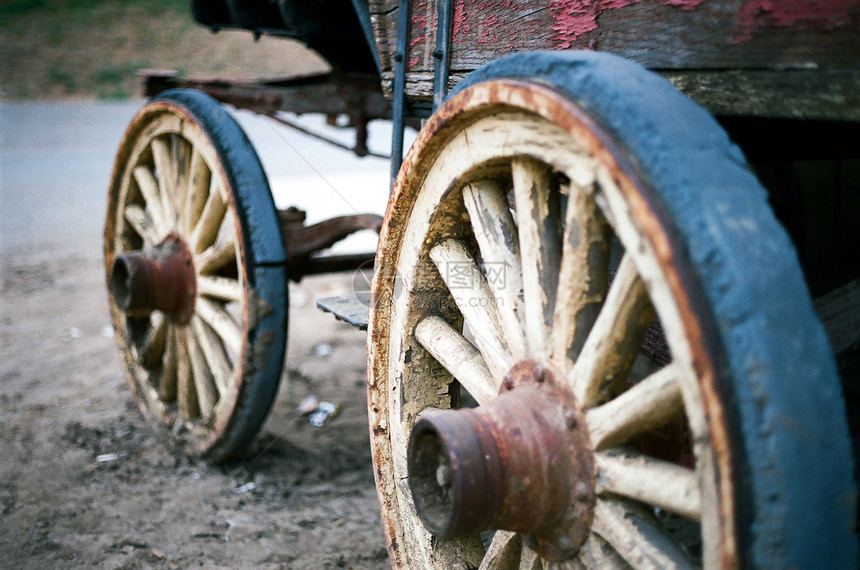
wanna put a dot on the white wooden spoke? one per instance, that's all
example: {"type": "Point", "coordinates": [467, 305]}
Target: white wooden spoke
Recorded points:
{"type": "Point", "coordinates": [640, 543]}
{"type": "Point", "coordinates": [149, 190]}
{"type": "Point", "coordinates": [656, 483]}
{"type": "Point", "coordinates": [498, 240]}
{"type": "Point", "coordinates": [458, 356]}
{"type": "Point", "coordinates": [167, 378]}
{"type": "Point", "coordinates": [504, 553]}
{"type": "Point", "coordinates": [199, 182]}
{"type": "Point", "coordinates": [216, 256]}
{"type": "Point", "coordinates": [186, 395]}
{"type": "Point", "coordinates": [613, 342]}
{"type": "Point", "coordinates": [165, 170]}
{"type": "Point", "coordinates": [475, 301]}
{"type": "Point", "coordinates": [216, 358]}
{"type": "Point", "coordinates": [649, 404]}
{"type": "Point", "coordinates": [182, 154]}
{"type": "Point", "coordinates": [539, 226]}
{"type": "Point", "coordinates": [595, 553]}
{"type": "Point", "coordinates": [220, 287]}
{"type": "Point", "coordinates": [209, 223]}
{"type": "Point", "coordinates": [204, 383]}
{"type": "Point", "coordinates": [583, 276]}
{"type": "Point", "coordinates": [142, 224]}
{"type": "Point", "coordinates": [152, 348]}
{"type": "Point", "coordinates": [530, 560]}
{"type": "Point", "coordinates": [507, 552]}
{"type": "Point", "coordinates": [222, 323]}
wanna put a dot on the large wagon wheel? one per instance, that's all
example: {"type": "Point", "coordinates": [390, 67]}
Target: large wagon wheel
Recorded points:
{"type": "Point", "coordinates": [197, 273]}
{"type": "Point", "coordinates": [551, 212]}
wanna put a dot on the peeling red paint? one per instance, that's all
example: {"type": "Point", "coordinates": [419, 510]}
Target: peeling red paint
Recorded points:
{"type": "Point", "coordinates": [572, 18]}
{"type": "Point", "coordinates": [489, 25]}
{"type": "Point", "coordinates": [460, 25]}
{"type": "Point", "coordinates": [487, 15]}
{"type": "Point", "coordinates": [418, 25]}
{"type": "Point", "coordinates": [821, 15]}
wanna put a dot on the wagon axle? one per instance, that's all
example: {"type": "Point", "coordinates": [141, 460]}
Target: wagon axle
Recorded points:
{"type": "Point", "coordinates": [159, 278]}
{"type": "Point", "coordinates": [522, 462]}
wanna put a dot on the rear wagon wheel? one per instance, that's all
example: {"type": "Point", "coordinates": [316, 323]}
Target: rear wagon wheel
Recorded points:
{"type": "Point", "coordinates": [196, 273]}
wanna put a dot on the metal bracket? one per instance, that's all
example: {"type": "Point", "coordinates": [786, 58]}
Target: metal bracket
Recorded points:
{"type": "Point", "coordinates": [302, 242]}
{"type": "Point", "coordinates": [399, 107]}
{"type": "Point", "coordinates": [442, 53]}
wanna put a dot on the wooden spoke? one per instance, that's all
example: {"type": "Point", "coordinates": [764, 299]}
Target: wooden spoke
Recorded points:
{"type": "Point", "coordinates": [640, 543]}
{"type": "Point", "coordinates": [199, 182]}
{"type": "Point", "coordinates": [458, 356]}
{"type": "Point", "coordinates": [538, 221]}
{"type": "Point", "coordinates": [151, 350]}
{"type": "Point", "coordinates": [595, 553]}
{"type": "Point", "coordinates": [167, 378]}
{"type": "Point", "coordinates": [186, 394]}
{"type": "Point", "coordinates": [497, 238]}
{"type": "Point", "coordinates": [649, 404]}
{"type": "Point", "coordinates": [220, 288]}
{"type": "Point", "coordinates": [216, 358]}
{"type": "Point", "coordinates": [209, 223]}
{"type": "Point", "coordinates": [165, 170]}
{"type": "Point", "coordinates": [507, 552]}
{"type": "Point", "coordinates": [530, 560]}
{"type": "Point", "coordinates": [655, 483]}
{"type": "Point", "coordinates": [222, 323]}
{"type": "Point", "coordinates": [582, 277]}
{"type": "Point", "coordinates": [142, 223]}
{"type": "Point", "coordinates": [182, 154]}
{"type": "Point", "coordinates": [149, 190]}
{"type": "Point", "coordinates": [475, 301]}
{"type": "Point", "coordinates": [504, 553]}
{"type": "Point", "coordinates": [204, 383]}
{"type": "Point", "coordinates": [613, 342]}
{"type": "Point", "coordinates": [215, 257]}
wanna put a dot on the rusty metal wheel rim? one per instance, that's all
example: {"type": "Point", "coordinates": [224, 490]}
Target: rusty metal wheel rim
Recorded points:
{"type": "Point", "coordinates": [170, 187]}
{"type": "Point", "coordinates": [429, 194]}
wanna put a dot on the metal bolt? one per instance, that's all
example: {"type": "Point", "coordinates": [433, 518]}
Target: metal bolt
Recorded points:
{"type": "Point", "coordinates": [565, 544]}
{"type": "Point", "coordinates": [580, 491]}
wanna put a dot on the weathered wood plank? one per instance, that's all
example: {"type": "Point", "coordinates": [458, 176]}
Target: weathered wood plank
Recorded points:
{"type": "Point", "coordinates": [816, 37]}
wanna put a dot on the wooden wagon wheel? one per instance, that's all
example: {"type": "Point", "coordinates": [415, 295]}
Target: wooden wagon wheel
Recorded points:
{"type": "Point", "coordinates": [552, 210]}
{"type": "Point", "coordinates": [196, 272]}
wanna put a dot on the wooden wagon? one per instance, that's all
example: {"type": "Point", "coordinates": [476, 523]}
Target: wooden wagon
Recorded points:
{"type": "Point", "coordinates": [592, 340]}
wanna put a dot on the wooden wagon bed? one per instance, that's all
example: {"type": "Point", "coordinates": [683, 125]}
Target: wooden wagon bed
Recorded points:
{"type": "Point", "coordinates": [735, 57]}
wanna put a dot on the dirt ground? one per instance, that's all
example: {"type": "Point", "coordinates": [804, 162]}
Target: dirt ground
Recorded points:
{"type": "Point", "coordinates": [86, 482]}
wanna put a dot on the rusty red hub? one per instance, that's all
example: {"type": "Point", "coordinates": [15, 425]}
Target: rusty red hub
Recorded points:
{"type": "Point", "coordinates": [522, 463]}
{"type": "Point", "coordinates": [159, 278]}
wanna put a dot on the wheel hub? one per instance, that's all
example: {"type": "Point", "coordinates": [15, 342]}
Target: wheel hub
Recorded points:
{"type": "Point", "coordinates": [158, 278]}
{"type": "Point", "coordinates": [521, 463]}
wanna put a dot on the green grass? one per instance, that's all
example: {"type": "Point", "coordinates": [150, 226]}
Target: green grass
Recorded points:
{"type": "Point", "coordinates": [57, 15]}
{"type": "Point", "coordinates": [63, 77]}
{"type": "Point", "coordinates": [94, 48]}
{"type": "Point", "coordinates": [75, 7]}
